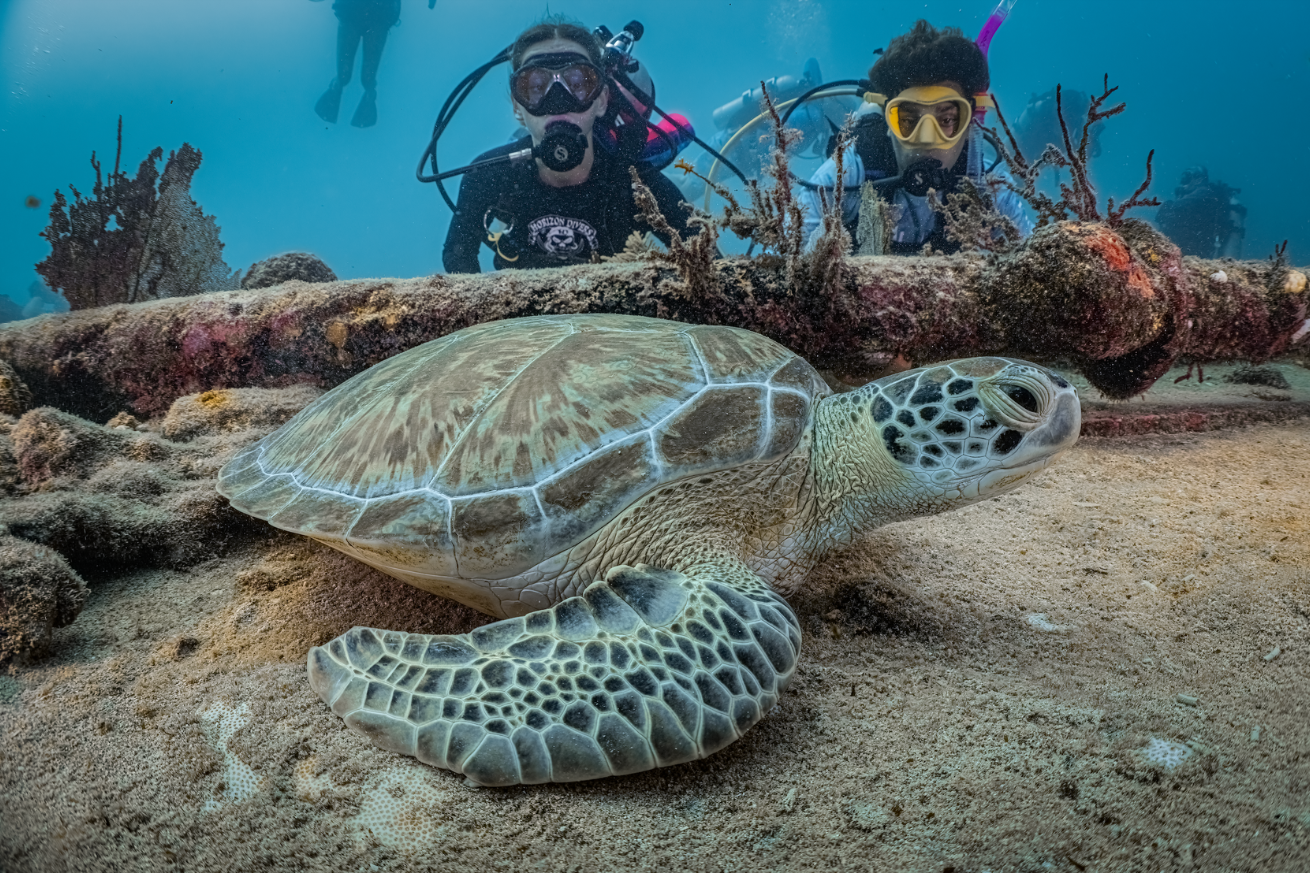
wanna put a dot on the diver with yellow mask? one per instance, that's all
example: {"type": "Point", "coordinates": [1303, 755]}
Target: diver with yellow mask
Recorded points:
{"type": "Point", "coordinates": [916, 132]}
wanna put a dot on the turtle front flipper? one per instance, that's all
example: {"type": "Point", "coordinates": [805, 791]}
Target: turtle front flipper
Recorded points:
{"type": "Point", "coordinates": [647, 669]}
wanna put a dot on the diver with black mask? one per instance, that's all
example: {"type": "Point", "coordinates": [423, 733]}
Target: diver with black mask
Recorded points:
{"type": "Point", "coordinates": [915, 134]}
{"type": "Point", "coordinates": [571, 202]}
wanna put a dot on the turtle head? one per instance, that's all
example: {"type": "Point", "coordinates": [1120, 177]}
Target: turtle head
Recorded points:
{"type": "Point", "coordinates": [932, 439]}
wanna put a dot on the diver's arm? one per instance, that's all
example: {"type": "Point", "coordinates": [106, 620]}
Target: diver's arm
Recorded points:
{"type": "Point", "coordinates": [1011, 205]}
{"type": "Point", "coordinates": [813, 201]}
{"type": "Point", "coordinates": [464, 238]}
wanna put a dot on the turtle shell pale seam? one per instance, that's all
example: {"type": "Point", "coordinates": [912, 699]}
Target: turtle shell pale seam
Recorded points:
{"type": "Point", "coordinates": [700, 356]}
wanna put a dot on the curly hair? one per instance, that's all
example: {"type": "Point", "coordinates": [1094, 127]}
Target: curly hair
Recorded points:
{"type": "Point", "coordinates": [555, 27]}
{"type": "Point", "coordinates": [927, 55]}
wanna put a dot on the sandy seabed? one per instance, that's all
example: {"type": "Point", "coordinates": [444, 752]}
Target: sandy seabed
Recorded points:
{"type": "Point", "coordinates": [1108, 670]}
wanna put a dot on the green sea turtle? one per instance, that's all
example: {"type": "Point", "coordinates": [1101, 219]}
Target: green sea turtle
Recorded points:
{"type": "Point", "coordinates": [633, 497]}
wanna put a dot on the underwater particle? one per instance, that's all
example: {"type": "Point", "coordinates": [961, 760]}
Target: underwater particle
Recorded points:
{"type": "Point", "coordinates": [238, 781]}
{"type": "Point", "coordinates": [38, 592]}
{"type": "Point", "coordinates": [398, 808]}
{"type": "Point", "coordinates": [31, 201]}
{"type": "Point", "coordinates": [1166, 754]}
{"type": "Point", "coordinates": [1039, 622]}
{"type": "Point", "coordinates": [1219, 276]}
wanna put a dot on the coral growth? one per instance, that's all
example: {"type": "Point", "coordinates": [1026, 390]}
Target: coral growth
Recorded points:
{"type": "Point", "coordinates": [299, 266]}
{"type": "Point", "coordinates": [1078, 199]}
{"type": "Point", "coordinates": [106, 496]}
{"type": "Point", "coordinates": [1109, 302]}
{"type": "Point", "coordinates": [15, 397]}
{"type": "Point", "coordinates": [773, 221]}
{"type": "Point", "coordinates": [972, 220]}
{"type": "Point", "coordinates": [134, 239]}
{"type": "Point", "coordinates": [38, 592]}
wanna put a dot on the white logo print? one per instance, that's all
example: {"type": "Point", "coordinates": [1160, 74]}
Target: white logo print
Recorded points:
{"type": "Point", "coordinates": [561, 236]}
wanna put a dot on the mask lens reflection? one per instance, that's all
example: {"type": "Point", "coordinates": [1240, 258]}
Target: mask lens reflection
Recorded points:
{"type": "Point", "coordinates": [531, 84]}
{"type": "Point", "coordinates": [908, 115]}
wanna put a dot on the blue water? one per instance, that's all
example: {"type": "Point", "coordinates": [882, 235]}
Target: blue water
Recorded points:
{"type": "Point", "coordinates": [1206, 83]}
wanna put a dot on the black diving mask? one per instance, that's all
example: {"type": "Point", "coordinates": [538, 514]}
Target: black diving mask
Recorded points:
{"type": "Point", "coordinates": [558, 83]}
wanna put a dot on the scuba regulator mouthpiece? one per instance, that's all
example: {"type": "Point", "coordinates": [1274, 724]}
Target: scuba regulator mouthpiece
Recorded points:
{"type": "Point", "coordinates": [563, 147]}
{"type": "Point", "coordinates": [922, 175]}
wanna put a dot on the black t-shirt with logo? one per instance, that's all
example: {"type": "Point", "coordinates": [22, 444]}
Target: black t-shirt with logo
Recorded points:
{"type": "Point", "coordinates": [550, 227]}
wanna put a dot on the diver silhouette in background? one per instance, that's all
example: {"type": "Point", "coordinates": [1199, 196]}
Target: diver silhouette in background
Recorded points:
{"type": "Point", "coordinates": [367, 22]}
{"type": "Point", "coordinates": [1204, 218]}
{"type": "Point", "coordinates": [1039, 124]}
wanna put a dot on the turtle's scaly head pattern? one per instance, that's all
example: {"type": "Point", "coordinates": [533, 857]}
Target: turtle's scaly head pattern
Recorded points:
{"type": "Point", "coordinates": [940, 437]}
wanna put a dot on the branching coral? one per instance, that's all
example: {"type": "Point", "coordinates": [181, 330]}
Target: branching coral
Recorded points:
{"type": "Point", "coordinates": [134, 239]}
{"type": "Point", "coordinates": [1078, 198]}
{"type": "Point", "coordinates": [774, 221]}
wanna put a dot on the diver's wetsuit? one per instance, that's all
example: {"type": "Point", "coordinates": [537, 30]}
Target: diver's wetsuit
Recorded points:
{"type": "Point", "coordinates": [551, 227]}
{"type": "Point", "coordinates": [871, 158]}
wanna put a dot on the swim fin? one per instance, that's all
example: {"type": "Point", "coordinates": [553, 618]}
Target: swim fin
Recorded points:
{"type": "Point", "coordinates": [329, 105]}
{"type": "Point", "coordinates": [366, 113]}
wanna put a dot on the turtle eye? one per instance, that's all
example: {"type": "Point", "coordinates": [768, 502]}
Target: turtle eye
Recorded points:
{"type": "Point", "coordinates": [1021, 396]}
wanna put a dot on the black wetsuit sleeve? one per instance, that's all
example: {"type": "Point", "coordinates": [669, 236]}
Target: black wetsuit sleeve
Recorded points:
{"type": "Point", "coordinates": [670, 202]}
{"type": "Point", "coordinates": [464, 238]}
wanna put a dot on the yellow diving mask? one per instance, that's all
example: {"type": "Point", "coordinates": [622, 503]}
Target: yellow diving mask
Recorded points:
{"type": "Point", "coordinates": [927, 117]}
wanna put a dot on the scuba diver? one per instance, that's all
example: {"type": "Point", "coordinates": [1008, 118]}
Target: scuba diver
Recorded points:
{"type": "Point", "coordinates": [573, 200]}
{"type": "Point", "coordinates": [1039, 123]}
{"type": "Point", "coordinates": [1204, 218]}
{"type": "Point", "coordinates": [738, 119]}
{"type": "Point", "coordinates": [915, 134]}
{"type": "Point", "coordinates": [366, 21]}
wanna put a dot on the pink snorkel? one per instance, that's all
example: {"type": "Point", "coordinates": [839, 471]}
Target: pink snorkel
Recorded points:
{"type": "Point", "coordinates": [984, 40]}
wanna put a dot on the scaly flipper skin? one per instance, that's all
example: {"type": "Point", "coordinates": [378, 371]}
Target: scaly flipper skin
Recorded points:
{"type": "Point", "coordinates": [646, 669]}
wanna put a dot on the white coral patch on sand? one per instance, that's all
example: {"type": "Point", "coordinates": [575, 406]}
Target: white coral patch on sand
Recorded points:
{"type": "Point", "coordinates": [1166, 754]}
{"type": "Point", "coordinates": [402, 807]}
{"type": "Point", "coordinates": [1039, 622]}
{"type": "Point", "coordinates": [238, 781]}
